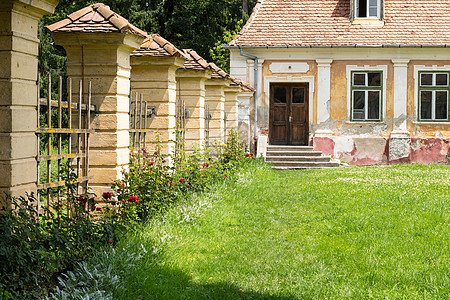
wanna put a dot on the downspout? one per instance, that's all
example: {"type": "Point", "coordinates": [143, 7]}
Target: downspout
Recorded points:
{"type": "Point", "coordinates": [255, 59]}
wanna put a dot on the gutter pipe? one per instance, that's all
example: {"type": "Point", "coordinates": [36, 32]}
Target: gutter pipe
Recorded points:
{"type": "Point", "coordinates": [255, 59]}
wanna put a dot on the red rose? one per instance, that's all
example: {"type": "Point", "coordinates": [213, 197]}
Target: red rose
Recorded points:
{"type": "Point", "coordinates": [152, 163]}
{"type": "Point", "coordinates": [205, 165]}
{"type": "Point", "coordinates": [133, 199]}
{"type": "Point", "coordinates": [109, 242]}
{"type": "Point", "coordinates": [107, 195]}
{"type": "Point", "coordinates": [247, 155]}
{"type": "Point", "coordinates": [170, 183]}
{"type": "Point", "coordinates": [182, 180]}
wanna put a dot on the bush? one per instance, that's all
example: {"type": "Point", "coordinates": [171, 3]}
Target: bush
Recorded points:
{"type": "Point", "coordinates": [33, 248]}
{"type": "Point", "coordinates": [150, 185]}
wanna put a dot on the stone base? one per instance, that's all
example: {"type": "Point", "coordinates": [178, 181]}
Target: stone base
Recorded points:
{"type": "Point", "coordinates": [398, 148]}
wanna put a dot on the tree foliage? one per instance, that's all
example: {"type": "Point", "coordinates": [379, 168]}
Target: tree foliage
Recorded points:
{"type": "Point", "coordinates": [197, 24]}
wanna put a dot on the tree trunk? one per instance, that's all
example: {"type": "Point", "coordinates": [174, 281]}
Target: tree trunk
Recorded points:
{"type": "Point", "coordinates": [245, 6]}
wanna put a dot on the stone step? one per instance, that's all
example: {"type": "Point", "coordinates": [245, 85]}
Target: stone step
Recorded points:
{"type": "Point", "coordinates": [290, 148]}
{"type": "Point", "coordinates": [302, 168]}
{"type": "Point", "coordinates": [304, 165]}
{"type": "Point", "coordinates": [298, 158]}
{"type": "Point", "coordinates": [271, 152]}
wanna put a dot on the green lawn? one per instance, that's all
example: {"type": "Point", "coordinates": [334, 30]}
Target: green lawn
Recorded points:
{"type": "Point", "coordinates": [350, 233]}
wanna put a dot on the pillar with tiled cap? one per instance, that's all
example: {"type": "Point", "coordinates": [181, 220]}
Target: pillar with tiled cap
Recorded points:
{"type": "Point", "coordinates": [98, 43]}
{"type": "Point", "coordinates": [191, 80]}
{"type": "Point", "coordinates": [231, 105]}
{"type": "Point", "coordinates": [215, 98]}
{"type": "Point", "coordinates": [18, 93]}
{"type": "Point", "coordinates": [154, 66]}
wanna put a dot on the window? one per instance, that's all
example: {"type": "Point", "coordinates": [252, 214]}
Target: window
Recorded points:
{"type": "Point", "coordinates": [368, 9]}
{"type": "Point", "coordinates": [434, 96]}
{"type": "Point", "coordinates": [366, 95]}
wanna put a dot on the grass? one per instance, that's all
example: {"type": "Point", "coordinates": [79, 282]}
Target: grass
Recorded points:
{"type": "Point", "coordinates": [353, 233]}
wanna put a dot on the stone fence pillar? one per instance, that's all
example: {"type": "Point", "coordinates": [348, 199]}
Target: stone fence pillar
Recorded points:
{"type": "Point", "coordinates": [18, 93]}
{"type": "Point", "coordinates": [102, 56]}
{"type": "Point", "coordinates": [231, 107]}
{"type": "Point", "coordinates": [215, 98]}
{"type": "Point", "coordinates": [154, 77]}
{"type": "Point", "coordinates": [192, 90]}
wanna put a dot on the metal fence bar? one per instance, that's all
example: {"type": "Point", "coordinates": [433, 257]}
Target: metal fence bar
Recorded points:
{"type": "Point", "coordinates": [55, 183]}
{"type": "Point", "coordinates": [225, 127]}
{"type": "Point", "coordinates": [59, 147]}
{"type": "Point", "coordinates": [49, 141]}
{"type": "Point", "coordinates": [80, 101]}
{"type": "Point", "coordinates": [207, 120]}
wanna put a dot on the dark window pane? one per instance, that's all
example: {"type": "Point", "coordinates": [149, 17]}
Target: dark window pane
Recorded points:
{"type": "Point", "coordinates": [359, 99]}
{"type": "Point", "coordinates": [426, 79]}
{"type": "Point", "coordinates": [358, 115]}
{"type": "Point", "coordinates": [362, 8]}
{"type": "Point", "coordinates": [441, 79]}
{"type": "Point", "coordinates": [441, 105]}
{"type": "Point", "coordinates": [425, 105]}
{"type": "Point", "coordinates": [374, 105]}
{"type": "Point", "coordinates": [359, 79]}
{"type": "Point", "coordinates": [358, 105]}
{"type": "Point", "coordinates": [374, 79]}
{"type": "Point", "coordinates": [298, 95]}
{"type": "Point", "coordinates": [279, 95]}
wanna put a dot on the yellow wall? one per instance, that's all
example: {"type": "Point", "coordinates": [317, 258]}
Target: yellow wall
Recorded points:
{"type": "Point", "coordinates": [423, 129]}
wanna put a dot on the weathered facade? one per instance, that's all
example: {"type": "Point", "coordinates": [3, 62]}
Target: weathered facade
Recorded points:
{"type": "Point", "coordinates": [366, 86]}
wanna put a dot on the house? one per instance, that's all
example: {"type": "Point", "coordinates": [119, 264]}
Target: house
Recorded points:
{"type": "Point", "coordinates": [366, 81]}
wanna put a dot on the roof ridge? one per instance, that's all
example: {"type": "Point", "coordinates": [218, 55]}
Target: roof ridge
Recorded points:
{"type": "Point", "coordinates": [117, 21]}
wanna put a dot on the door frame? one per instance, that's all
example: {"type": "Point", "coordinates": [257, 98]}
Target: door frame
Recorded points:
{"type": "Point", "coordinates": [310, 80]}
{"type": "Point", "coordinates": [289, 110]}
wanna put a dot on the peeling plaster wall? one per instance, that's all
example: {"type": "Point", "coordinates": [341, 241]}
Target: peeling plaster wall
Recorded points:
{"type": "Point", "coordinates": [359, 143]}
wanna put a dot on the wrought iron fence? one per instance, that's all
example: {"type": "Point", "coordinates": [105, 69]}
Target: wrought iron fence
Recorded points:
{"type": "Point", "coordinates": [140, 114]}
{"type": "Point", "coordinates": [182, 114]}
{"type": "Point", "coordinates": [72, 138]}
{"type": "Point", "coordinates": [208, 118]}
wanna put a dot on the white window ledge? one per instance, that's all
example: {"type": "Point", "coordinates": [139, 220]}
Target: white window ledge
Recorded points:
{"type": "Point", "coordinates": [365, 122]}
{"type": "Point", "coordinates": [431, 122]}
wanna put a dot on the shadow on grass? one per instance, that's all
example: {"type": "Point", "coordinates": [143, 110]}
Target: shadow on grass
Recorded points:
{"type": "Point", "coordinates": [156, 282]}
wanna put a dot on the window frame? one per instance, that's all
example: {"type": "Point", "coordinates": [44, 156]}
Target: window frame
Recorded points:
{"type": "Point", "coordinates": [366, 88]}
{"type": "Point", "coordinates": [433, 88]}
{"type": "Point", "coordinates": [368, 17]}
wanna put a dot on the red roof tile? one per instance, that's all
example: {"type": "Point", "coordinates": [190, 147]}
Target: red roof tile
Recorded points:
{"type": "Point", "coordinates": [195, 61]}
{"type": "Point", "coordinates": [315, 23]}
{"type": "Point", "coordinates": [155, 45]}
{"type": "Point", "coordinates": [95, 18]}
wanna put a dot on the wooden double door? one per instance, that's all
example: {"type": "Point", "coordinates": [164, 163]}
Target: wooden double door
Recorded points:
{"type": "Point", "coordinates": [289, 114]}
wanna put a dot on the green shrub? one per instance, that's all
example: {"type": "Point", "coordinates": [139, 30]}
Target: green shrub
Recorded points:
{"type": "Point", "coordinates": [150, 184]}
{"type": "Point", "coordinates": [33, 248]}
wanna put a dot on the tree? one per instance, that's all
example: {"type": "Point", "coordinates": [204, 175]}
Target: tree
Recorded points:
{"type": "Point", "coordinates": [195, 24]}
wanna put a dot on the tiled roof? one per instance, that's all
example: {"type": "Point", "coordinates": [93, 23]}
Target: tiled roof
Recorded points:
{"type": "Point", "coordinates": [218, 72]}
{"type": "Point", "coordinates": [95, 18]}
{"type": "Point", "coordinates": [315, 23]}
{"type": "Point", "coordinates": [155, 45]}
{"type": "Point", "coordinates": [195, 61]}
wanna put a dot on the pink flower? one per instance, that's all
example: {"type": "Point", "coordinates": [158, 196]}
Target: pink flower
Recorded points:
{"type": "Point", "coordinates": [205, 165]}
{"type": "Point", "coordinates": [152, 163]}
{"type": "Point", "coordinates": [133, 199]}
{"type": "Point", "coordinates": [224, 176]}
{"type": "Point", "coordinates": [170, 183]}
{"type": "Point", "coordinates": [107, 195]}
{"type": "Point", "coordinates": [182, 180]}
